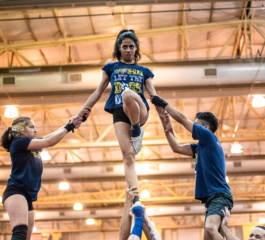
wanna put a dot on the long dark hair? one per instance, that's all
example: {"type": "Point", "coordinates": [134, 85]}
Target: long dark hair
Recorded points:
{"type": "Point", "coordinates": [123, 34]}
{"type": "Point", "coordinates": [13, 132]}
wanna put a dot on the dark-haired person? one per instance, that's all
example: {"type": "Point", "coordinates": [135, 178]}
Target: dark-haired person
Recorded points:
{"type": "Point", "coordinates": [25, 179]}
{"type": "Point", "coordinates": [126, 101]}
{"type": "Point", "coordinates": [211, 186]}
{"type": "Point", "coordinates": [258, 232]}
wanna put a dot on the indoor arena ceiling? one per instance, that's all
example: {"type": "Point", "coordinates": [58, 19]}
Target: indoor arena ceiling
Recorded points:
{"type": "Point", "coordinates": [43, 42]}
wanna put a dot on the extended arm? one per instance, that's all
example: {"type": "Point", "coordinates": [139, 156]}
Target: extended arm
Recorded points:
{"type": "Point", "coordinates": [53, 138]}
{"type": "Point", "coordinates": [180, 117]}
{"type": "Point", "coordinates": [224, 229]}
{"type": "Point", "coordinates": [125, 227]}
{"type": "Point", "coordinates": [137, 221]}
{"type": "Point", "coordinates": [174, 113]}
{"type": "Point", "coordinates": [96, 95]}
{"type": "Point", "coordinates": [184, 149]}
{"type": "Point", "coordinates": [150, 87]}
{"type": "Point", "coordinates": [151, 228]}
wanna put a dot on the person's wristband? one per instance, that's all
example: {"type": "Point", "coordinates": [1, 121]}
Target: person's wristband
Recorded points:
{"type": "Point", "coordinates": [69, 127]}
{"type": "Point", "coordinates": [139, 218]}
{"type": "Point", "coordinates": [159, 101]}
{"type": "Point", "coordinates": [84, 118]}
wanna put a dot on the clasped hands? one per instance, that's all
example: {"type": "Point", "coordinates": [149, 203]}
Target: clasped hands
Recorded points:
{"type": "Point", "coordinates": [80, 117]}
{"type": "Point", "coordinates": [165, 117]}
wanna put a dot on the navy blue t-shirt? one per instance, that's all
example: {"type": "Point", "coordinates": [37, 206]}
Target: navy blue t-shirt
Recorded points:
{"type": "Point", "coordinates": [209, 164]}
{"type": "Point", "coordinates": [124, 76]}
{"type": "Point", "coordinates": [27, 167]}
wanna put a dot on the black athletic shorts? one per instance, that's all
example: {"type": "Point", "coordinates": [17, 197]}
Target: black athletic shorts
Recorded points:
{"type": "Point", "coordinates": [217, 202]}
{"type": "Point", "coordinates": [120, 116]}
{"type": "Point", "coordinates": [13, 190]}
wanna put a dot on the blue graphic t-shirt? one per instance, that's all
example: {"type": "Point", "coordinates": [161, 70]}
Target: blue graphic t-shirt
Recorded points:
{"type": "Point", "coordinates": [27, 167]}
{"type": "Point", "coordinates": [123, 76]}
{"type": "Point", "coordinates": [210, 163]}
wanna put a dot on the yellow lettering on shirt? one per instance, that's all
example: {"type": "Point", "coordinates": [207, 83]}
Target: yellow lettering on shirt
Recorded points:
{"type": "Point", "coordinates": [36, 154]}
{"type": "Point", "coordinates": [136, 87]}
{"type": "Point", "coordinates": [118, 87]}
{"type": "Point", "coordinates": [130, 71]}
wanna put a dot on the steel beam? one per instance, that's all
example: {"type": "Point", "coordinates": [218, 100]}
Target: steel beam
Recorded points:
{"type": "Point", "coordinates": [13, 5]}
{"type": "Point", "coordinates": [99, 38]}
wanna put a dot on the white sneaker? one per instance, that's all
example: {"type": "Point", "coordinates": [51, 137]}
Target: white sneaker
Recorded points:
{"type": "Point", "coordinates": [137, 142]}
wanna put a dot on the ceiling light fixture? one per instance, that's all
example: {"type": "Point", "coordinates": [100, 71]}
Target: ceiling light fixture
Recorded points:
{"type": "Point", "coordinates": [90, 221]}
{"type": "Point", "coordinates": [227, 179]}
{"type": "Point", "coordinates": [262, 220]}
{"type": "Point", "coordinates": [145, 194]}
{"type": "Point", "coordinates": [45, 155]}
{"type": "Point", "coordinates": [63, 186]}
{"type": "Point", "coordinates": [78, 206]}
{"type": "Point", "coordinates": [236, 148]}
{"type": "Point", "coordinates": [11, 112]}
{"type": "Point", "coordinates": [258, 101]}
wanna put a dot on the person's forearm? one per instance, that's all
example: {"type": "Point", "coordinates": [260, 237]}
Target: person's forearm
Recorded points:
{"type": "Point", "coordinates": [172, 142]}
{"type": "Point", "coordinates": [150, 87]}
{"type": "Point", "coordinates": [176, 114]}
{"type": "Point", "coordinates": [227, 234]}
{"type": "Point", "coordinates": [57, 136]}
{"type": "Point", "coordinates": [152, 230]}
{"type": "Point", "coordinates": [92, 100]}
{"type": "Point", "coordinates": [146, 232]}
{"type": "Point", "coordinates": [51, 134]}
{"type": "Point", "coordinates": [125, 227]}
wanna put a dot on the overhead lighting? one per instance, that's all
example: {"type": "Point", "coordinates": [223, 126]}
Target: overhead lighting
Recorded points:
{"type": "Point", "coordinates": [236, 148]}
{"type": "Point", "coordinates": [34, 229]}
{"type": "Point", "coordinates": [63, 186]}
{"type": "Point", "coordinates": [262, 220]}
{"type": "Point", "coordinates": [78, 206]}
{"type": "Point", "coordinates": [90, 221]}
{"type": "Point", "coordinates": [45, 155]}
{"type": "Point", "coordinates": [141, 168]}
{"type": "Point", "coordinates": [150, 211]}
{"type": "Point", "coordinates": [11, 112]}
{"type": "Point", "coordinates": [145, 194]}
{"type": "Point", "coordinates": [258, 101]}
{"type": "Point", "coordinates": [227, 179]}
{"type": "Point", "coordinates": [0, 199]}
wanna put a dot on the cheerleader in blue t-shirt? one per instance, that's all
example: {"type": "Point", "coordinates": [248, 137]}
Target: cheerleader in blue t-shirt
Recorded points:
{"type": "Point", "coordinates": [25, 179]}
{"type": "Point", "coordinates": [126, 101]}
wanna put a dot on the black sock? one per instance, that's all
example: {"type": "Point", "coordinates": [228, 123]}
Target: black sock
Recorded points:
{"type": "Point", "coordinates": [136, 130]}
{"type": "Point", "coordinates": [136, 199]}
{"type": "Point", "coordinates": [20, 232]}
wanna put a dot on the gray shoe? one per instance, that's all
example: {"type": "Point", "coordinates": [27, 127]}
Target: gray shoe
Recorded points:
{"type": "Point", "coordinates": [137, 142]}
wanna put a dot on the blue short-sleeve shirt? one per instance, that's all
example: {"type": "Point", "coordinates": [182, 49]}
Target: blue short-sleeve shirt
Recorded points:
{"type": "Point", "coordinates": [123, 76]}
{"type": "Point", "coordinates": [209, 164]}
{"type": "Point", "coordinates": [27, 167]}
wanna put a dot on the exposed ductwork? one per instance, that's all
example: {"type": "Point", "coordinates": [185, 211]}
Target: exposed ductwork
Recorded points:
{"type": "Point", "coordinates": [180, 76]}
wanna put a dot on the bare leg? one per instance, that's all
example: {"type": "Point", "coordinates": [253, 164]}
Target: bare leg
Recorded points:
{"type": "Point", "coordinates": [212, 224]}
{"type": "Point", "coordinates": [30, 223]}
{"type": "Point", "coordinates": [123, 134]}
{"type": "Point", "coordinates": [134, 107]}
{"type": "Point", "coordinates": [17, 209]}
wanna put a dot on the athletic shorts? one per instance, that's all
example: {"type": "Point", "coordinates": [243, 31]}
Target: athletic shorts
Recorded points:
{"type": "Point", "coordinates": [120, 116]}
{"type": "Point", "coordinates": [217, 202]}
{"type": "Point", "coordinates": [13, 190]}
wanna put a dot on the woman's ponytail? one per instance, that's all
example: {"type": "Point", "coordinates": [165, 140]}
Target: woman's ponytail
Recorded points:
{"type": "Point", "coordinates": [19, 124]}
{"type": "Point", "coordinates": [7, 138]}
